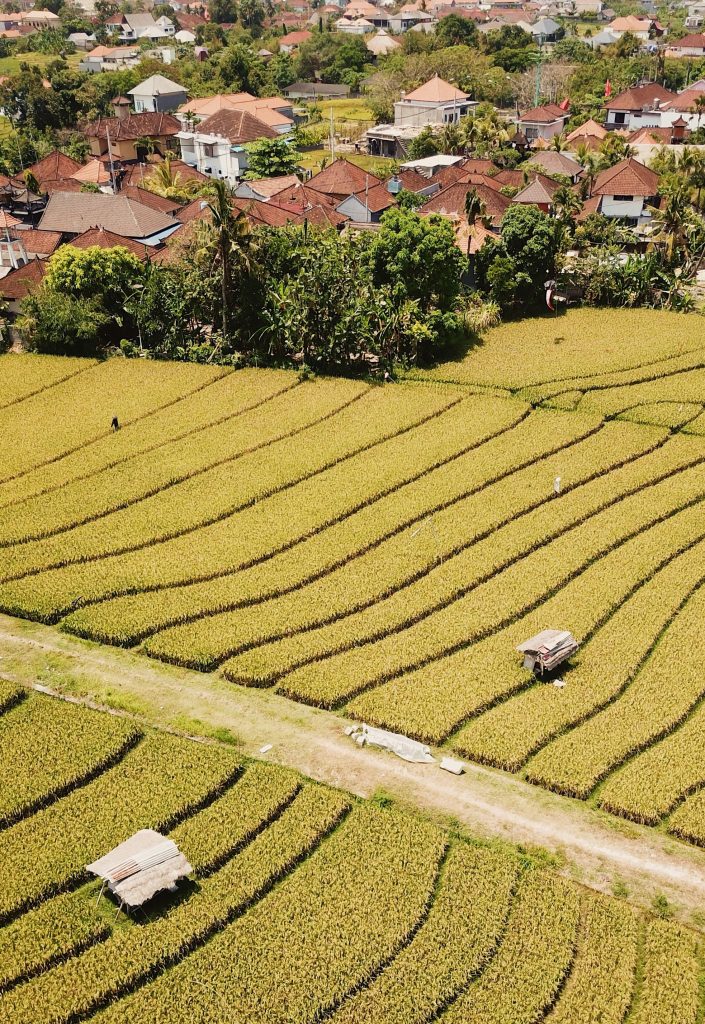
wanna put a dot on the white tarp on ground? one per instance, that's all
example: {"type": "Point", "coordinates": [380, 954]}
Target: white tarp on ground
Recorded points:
{"type": "Point", "coordinates": [402, 746]}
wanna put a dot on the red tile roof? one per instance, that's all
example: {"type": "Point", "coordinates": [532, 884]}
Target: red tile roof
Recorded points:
{"type": "Point", "coordinates": [237, 125]}
{"type": "Point", "coordinates": [197, 209]}
{"type": "Point", "coordinates": [305, 195]}
{"type": "Point", "coordinates": [38, 242]}
{"type": "Point", "coordinates": [513, 179]}
{"type": "Point", "coordinates": [537, 192]}
{"type": "Point", "coordinates": [375, 199]}
{"type": "Point", "coordinates": [109, 240]}
{"type": "Point", "coordinates": [295, 38]}
{"type": "Point", "coordinates": [627, 178]}
{"type": "Point", "coordinates": [686, 100]}
{"type": "Point", "coordinates": [470, 165]}
{"type": "Point", "coordinates": [545, 114]}
{"type": "Point", "coordinates": [342, 178]}
{"type": "Point", "coordinates": [133, 127]}
{"type": "Point", "coordinates": [19, 283]}
{"type": "Point", "coordinates": [695, 41]}
{"type": "Point", "coordinates": [147, 198]}
{"type": "Point", "coordinates": [640, 96]}
{"type": "Point", "coordinates": [411, 180]}
{"type": "Point", "coordinates": [53, 166]}
{"type": "Point", "coordinates": [61, 185]}
{"type": "Point", "coordinates": [451, 201]}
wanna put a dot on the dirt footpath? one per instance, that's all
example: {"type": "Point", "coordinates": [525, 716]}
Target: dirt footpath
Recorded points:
{"type": "Point", "coordinates": [592, 847]}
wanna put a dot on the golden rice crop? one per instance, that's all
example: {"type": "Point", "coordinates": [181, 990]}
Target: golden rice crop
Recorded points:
{"type": "Point", "coordinates": [600, 985]}
{"type": "Point", "coordinates": [23, 375]}
{"type": "Point", "coordinates": [119, 485]}
{"type": "Point", "coordinates": [688, 386]}
{"type": "Point", "coordinates": [650, 370]}
{"type": "Point", "coordinates": [663, 414]}
{"type": "Point", "coordinates": [497, 526]}
{"type": "Point", "coordinates": [223, 443]}
{"type": "Point", "coordinates": [218, 399]}
{"type": "Point", "coordinates": [404, 557]}
{"type": "Point", "coordinates": [317, 937]}
{"type": "Point", "coordinates": [209, 496]}
{"type": "Point", "coordinates": [159, 782]}
{"type": "Point", "coordinates": [407, 476]}
{"type": "Point", "coordinates": [54, 931]}
{"type": "Point", "coordinates": [216, 833]}
{"type": "Point", "coordinates": [79, 410]}
{"type": "Point", "coordinates": [525, 977]}
{"type": "Point", "coordinates": [655, 703]}
{"type": "Point", "coordinates": [453, 946]}
{"type": "Point", "coordinates": [505, 596]}
{"type": "Point", "coordinates": [349, 419]}
{"type": "Point", "coordinates": [34, 766]}
{"type": "Point", "coordinates": [651, 785]}
{"type": "Point", "coordinates": [688, 820]}
{"type": "Point", "coordinates": [10, 694]}
{"type": "Point", "coordinates": [131, 957]}
{"type": "Point", "coordinates": [584, 342]}
{"type": "Point", "coordinates": [508, 734]}
{"type": "Point", "coordinates": [451, 689]}
{"type": "Point", "coordinates": [671, 977]}
{"type": "Point", "coordinates": [696, 426]}
{"type": "Point", "coordinates": [263, 527]}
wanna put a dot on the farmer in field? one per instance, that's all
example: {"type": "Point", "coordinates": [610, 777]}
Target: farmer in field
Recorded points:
{"type": "Point", "coordinates": [115, 424]}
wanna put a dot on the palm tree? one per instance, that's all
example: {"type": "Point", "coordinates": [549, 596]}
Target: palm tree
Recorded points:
{"type": "Point", "coordinates": [566, 203]}
{"type": "Point", "coordinates": [231, 235]}
{"type": "Point", "coordinates": [475, 210]}
{"type": "Point", "coordinates": [673, 218]}
{"type": "Point", "coordinates": [699, 106]}
{"type": "Point", "coordinates": [450, 139]}
{"type": "Point", "coordinates": [165, 181]}
{"type": "Point", "coordinates": [613, 149]}
{"type": "Point", "coordinates": [557, 143]}
{"type": "Point", "coordinates": [145, 146]}
{"type": "Point", "coordinates": [592, 169]}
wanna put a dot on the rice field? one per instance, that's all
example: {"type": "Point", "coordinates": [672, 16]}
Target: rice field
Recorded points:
{"type": "Point", "coordinates": [380, 550]}
{"type": "Point", "coordinates": [304, 903]}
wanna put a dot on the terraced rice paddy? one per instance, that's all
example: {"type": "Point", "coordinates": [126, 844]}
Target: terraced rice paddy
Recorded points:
{"type": "Point", "coordinates": [380, 550]}
{"type": "Point", "coordinates": [305, 904]}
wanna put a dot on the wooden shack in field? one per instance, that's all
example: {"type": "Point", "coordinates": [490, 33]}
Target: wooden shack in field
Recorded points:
{"type": "Point", "coordinates": [139, 868]}
{"type": "Point", "coordinates": [547, 649]}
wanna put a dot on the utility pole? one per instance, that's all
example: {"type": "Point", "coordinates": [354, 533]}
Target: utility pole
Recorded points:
{"type": "Point", "coordinates": [332, 137]}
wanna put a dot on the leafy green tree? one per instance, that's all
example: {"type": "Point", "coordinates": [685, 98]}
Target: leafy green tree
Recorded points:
{"type": "Point", "coordinates": [425, 144]}
{"type": "Point", "coordinates": [407, 200]}
{"type": "Point", "coordinates": [80, 305]}
{"type": "Point", "coordinates": [456, 31]}
{"type": "Point", "coordinates": [514, 269]}
{"type": "Point", "coordinates": [252, 14]}
{"type": "Point", "coordinates": [271, 158]}
{"type": "Point", "coordinates": [62, 324]}
{"type": "Point", "coordinates": [27, 102]}
{"type": "Point", "coordinates": [417, 259]}
{"type": "Point", "coordinates": [222, 11]}
{"type": "Point", "coordinates": [511, 48]}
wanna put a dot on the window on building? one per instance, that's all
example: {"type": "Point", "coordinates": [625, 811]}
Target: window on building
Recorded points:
{"type": "Point", "coordinates": [619, 117]}
{"type": "Point", "coordinates": [623, 199]}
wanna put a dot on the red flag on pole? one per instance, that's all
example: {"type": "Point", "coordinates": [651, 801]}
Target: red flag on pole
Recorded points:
{"type": "Point", "coordinates": [608, 89]}
{"type": "Point", "coordinates": [565, 105]}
